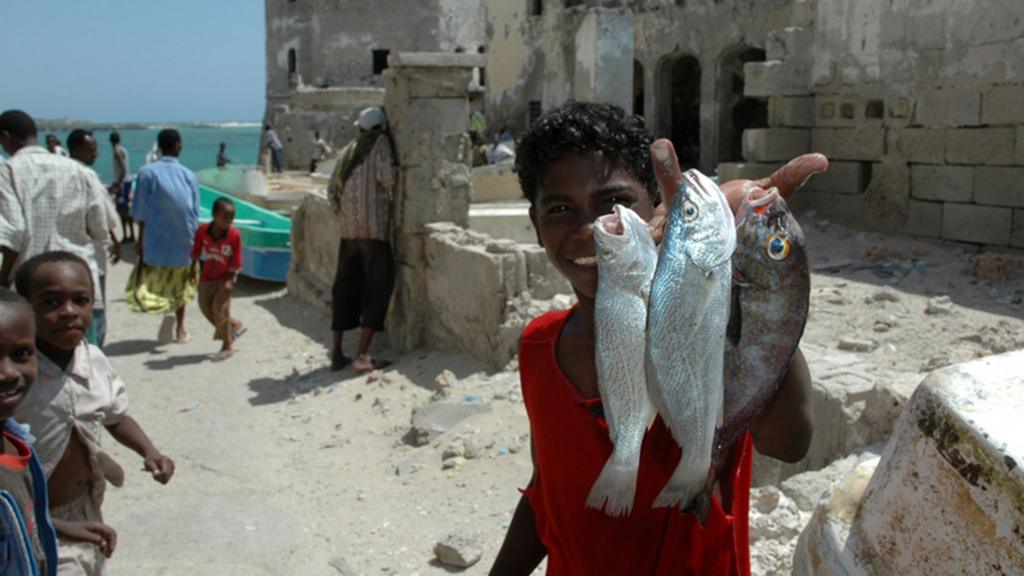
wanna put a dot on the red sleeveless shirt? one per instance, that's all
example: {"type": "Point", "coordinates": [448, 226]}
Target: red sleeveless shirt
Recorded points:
{"type": "Point", "coordinates": [572, 445]}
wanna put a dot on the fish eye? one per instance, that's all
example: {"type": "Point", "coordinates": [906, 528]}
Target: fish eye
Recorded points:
{"type": "Point", "coordinates": [778, 246]}
{"type": "Point", "coordinates": [690, 211]}
{"type": "Point", "coordinates": [606, 252]}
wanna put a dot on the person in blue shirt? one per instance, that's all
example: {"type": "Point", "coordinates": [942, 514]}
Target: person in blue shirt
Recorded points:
{"type": "Point", "coordinates": [166, 208]}
{"type": "Point", "coordinates": [28, 538]}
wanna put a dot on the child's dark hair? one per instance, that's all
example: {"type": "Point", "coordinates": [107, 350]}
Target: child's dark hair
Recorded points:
{"type": "Point", "coordinates": [220, 204]}
{"type": "Point", "coordinates": [585, 127]}
{"type": "Point", "coordinates": [27, 270]}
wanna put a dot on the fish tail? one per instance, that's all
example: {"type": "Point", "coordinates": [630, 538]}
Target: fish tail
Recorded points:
{"type": "Point", "coordinates": [684, 485]}
{"type": "Point", "coordinates": [615, 489]}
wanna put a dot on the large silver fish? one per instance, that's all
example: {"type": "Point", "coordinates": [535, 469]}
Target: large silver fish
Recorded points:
{"type": "Point", "coordinates": [771, 296]}
{"type": "Point", "coordinates": [686, 321]}
{"type": "Point", "coordinates": [625, 269]}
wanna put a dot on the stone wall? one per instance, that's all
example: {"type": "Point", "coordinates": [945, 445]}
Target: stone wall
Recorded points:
{"type": "Point", "coordinates": [333, 44]}
{"type": "Point", "coordinates": [333, 111]}
{"type": "Point", "coordinates": [920, 106]}
{"type": "Point", "coordinates": [479, 292]}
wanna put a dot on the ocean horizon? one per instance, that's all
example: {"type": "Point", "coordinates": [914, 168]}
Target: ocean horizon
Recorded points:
{"type": "Point", "coordinates": [200, 142]}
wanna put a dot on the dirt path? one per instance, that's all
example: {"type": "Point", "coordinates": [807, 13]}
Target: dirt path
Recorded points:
{"type": "Point", "coordinates": [286, 468]}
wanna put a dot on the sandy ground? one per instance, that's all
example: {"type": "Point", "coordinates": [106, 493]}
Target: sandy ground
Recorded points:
{"type": "Point", "coordinates": [287, 468]}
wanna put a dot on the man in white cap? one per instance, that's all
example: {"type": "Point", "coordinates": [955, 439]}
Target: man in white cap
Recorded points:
{"type": "Point", "coordinates": [360, 192]}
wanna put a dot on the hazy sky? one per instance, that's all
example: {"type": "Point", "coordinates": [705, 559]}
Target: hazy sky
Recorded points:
{"type": "Point", "coordinates": [133, 60]}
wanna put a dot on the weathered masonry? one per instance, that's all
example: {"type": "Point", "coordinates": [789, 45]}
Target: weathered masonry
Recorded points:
{"type": "Point", "coordinates": [919, 103]}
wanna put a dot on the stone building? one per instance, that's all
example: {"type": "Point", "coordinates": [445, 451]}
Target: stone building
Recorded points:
{"type": "Point", "coordinates": [920, 104]}
{"type": "Point", "coordinates": [325, 58]}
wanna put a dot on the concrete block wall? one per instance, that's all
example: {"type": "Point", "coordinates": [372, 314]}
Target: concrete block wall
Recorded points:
{"type": "Point", "coordinates": [921, 116]}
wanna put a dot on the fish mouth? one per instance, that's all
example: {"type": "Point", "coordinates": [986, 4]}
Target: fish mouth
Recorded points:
{"type": "Point", "coordinates": [612, 227]}
{"type": "Point", "coordinates": [760, 202]}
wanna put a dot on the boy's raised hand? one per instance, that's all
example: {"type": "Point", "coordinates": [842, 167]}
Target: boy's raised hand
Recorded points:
{"type": "Point", "coordinates": [787, 179]}
{"type": "Point", "coordinates": [98, 533]}
{"type": "Point", "coordinates": [160, 466]}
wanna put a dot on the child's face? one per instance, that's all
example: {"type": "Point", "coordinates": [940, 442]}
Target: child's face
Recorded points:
{"type": "Point", "coordinates": [224, 217]}
{"type": "Point", "coordinates": [573, 193]}
{"type": "Point", "coordinates": [17, 355]}
{"type": "Point", "coordinates": [62, 302]}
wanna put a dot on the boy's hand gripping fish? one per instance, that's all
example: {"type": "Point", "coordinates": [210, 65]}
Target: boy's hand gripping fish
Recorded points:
{"type": "Point", "coordinates": [625, 264]}
{"type": "Point", "coordinates": [686, 321]}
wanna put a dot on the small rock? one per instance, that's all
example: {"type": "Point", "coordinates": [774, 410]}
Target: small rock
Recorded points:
{"type": "Point", "coordinates": [885, 295]}
{"type": "Point", "coordinates": [857, 345]}
{"type": "Point", "coordinates": [341, 566]}
{"type": "Point", "coordinates": [458, 551]}
{"type": "Point", "coordinates": [452, 462]}
{"type": "Point", "coordinates": [471, 449]}
{"type": "Point", "coordinates": [373, 376]}
{"type": "Point", "coordinates": [837, 300]}
{"type": "Point", "coordinates": [939, 305]}
{"type": "Point", "coordinates": [935, 362]}
{"type": "Point", "coordinates": [444, 383]}
{"type": "Point", "coordinates": [881, 326]}
{"type": "Point", "coordinates": [456, 448]}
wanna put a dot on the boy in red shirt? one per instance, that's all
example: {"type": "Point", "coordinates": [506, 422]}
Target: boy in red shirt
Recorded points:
{"type": "Point", "coordinates": [218, 245]}
{"type": "Point", "coordinates": [575, 163]}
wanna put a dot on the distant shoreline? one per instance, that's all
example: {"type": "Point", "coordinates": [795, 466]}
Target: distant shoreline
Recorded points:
{"type": "Point", "coordinates": [62, 124]}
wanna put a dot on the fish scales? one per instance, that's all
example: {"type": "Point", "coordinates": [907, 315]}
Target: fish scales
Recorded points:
{"type": "Point", "coordinates": [773, 296]}
{"type": "Point", "coordinates": [687, 318]}
{"type": "Point", "coordinates": [625, 265]}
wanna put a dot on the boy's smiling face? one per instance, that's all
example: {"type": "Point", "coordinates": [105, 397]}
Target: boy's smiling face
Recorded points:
{"type": "Point", "coordinates": [573, 193]}
{"type": "Point", "coordinates": [62, 300]}
{"type": "Point", "coordinates": [18, 363]}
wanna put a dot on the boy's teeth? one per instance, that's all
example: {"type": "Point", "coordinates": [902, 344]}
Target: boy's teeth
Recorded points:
{"type": "Point", "coordinates": [585, 261]}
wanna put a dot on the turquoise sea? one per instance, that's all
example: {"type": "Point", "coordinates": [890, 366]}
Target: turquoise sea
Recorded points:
{"type": "Point", "coordinates": [199, 146]}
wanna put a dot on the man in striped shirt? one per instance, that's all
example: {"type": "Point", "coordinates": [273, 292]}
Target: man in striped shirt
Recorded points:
{"type": "Point", "coordinates": [47, 202]}
{"type": "Point", "coordinates": [360, 191]}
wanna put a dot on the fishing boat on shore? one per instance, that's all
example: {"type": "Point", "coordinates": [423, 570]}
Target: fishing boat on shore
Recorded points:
{"type": "Point", "coordinates": [266, 236]}
{"type": "Point", "coordinates": [281, 193]}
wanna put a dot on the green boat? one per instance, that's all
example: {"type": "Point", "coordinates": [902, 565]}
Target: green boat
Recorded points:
{"type": "Point", "coordinates": [266, 236]}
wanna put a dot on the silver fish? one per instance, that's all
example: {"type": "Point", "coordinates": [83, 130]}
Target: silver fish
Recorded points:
{"type": "Point", "coordinates": [625, 266]}
{"type": "Point", "coordinates": [686, 321]}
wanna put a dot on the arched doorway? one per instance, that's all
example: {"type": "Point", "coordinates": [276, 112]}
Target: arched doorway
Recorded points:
{"type": "Point", "coordinates": [737, 112]}
{"type": "Point", "coordinates": [638, 88]}
{"type": "Point", "coordinates": [679, 106]}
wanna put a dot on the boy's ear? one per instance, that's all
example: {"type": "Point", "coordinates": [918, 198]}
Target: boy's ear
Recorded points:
{"type": "Point", "coordinates": [536, 229]}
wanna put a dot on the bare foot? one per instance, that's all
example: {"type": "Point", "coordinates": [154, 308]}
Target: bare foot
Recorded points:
{"type": "Point", "coordinates": [223, 355]}
{"type": "Point", "coordinates": [183, 336]}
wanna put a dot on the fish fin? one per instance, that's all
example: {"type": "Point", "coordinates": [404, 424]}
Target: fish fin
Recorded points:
{"type": "Point", "coordinates": [735, 326]}
{"type": "Point", "coordinates": [701, 506]}
{"type": "Point", "coordinates": [614, 490]}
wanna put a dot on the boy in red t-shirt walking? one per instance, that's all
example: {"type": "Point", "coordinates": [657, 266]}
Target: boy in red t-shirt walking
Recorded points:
{"type": "Point", "coordinates": [218, 245]}
{"type": "Point", "coordinates": [574, 164]}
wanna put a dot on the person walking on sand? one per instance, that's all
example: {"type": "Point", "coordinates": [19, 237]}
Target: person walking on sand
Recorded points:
{"type": "Point", "coordinates": [83, 147]}
{"type": "Point", "coordinates": [360, 192]}
{"type": "Point", "coordinates": [276, 148]}
{"type": "Point", "coordinates": [47, 202]}
{"type": "Point", "coordinates": [166, 207]}
{"type": "Point", "coordinates": [218, 245]}
{"type": "Point", "coordinates": [320, 151]}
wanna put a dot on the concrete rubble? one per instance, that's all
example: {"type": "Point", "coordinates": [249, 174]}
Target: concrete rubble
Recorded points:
{"type": "Point", "coordinates": [458, 551]}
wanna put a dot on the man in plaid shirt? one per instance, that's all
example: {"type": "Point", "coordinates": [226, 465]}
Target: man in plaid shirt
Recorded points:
{"type": "Point", "coordinates": [47, 202]}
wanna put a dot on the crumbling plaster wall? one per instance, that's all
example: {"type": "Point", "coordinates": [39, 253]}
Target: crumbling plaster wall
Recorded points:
{"type": "Point", "coordinates": [333, 42]}
{"type": "Point", "coordinates": [920, 105]}
{"type": "Point", "coordinates": [534, 57]}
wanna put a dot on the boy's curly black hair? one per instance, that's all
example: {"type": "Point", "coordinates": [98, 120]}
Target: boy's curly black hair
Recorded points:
{"type": "Point", "coordinates": [585, 127]}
